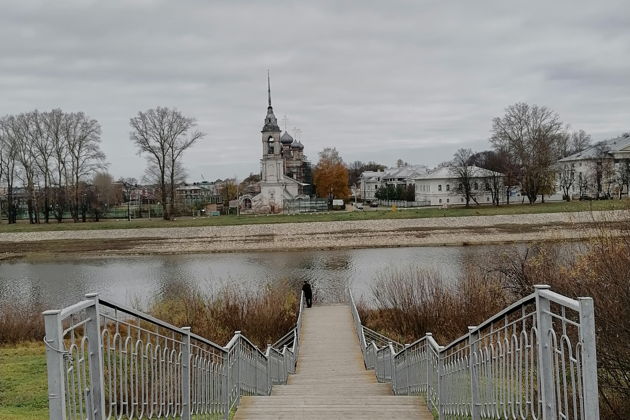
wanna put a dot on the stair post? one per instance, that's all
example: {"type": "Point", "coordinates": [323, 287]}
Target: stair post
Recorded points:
{"type": "Point", "coordinates": [186, 375]}
{"type": "Point", "coordinates": [440, 372]}
{"type": "Point", "coordinates": [544, 324]}
{"type": "Point", "coordinates": [95, 350]}
{"type": "Point", "coordinates": [55, 364]}
{"type": "Point", "coordinates": [474, 373]}
{"type": "Point", "coordinates": [589, 358]}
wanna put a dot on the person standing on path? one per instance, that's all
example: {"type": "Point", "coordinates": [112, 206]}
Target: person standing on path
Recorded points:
{"type": "Point", "coordinates": [308, 293]}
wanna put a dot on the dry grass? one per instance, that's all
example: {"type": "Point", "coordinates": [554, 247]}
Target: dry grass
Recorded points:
{"type": "Point", "coordinates": [20, 322]}
{"type": "Point", "coordinates": [407, 303]}
{"type": "Point", "coordinates": [263, 316]}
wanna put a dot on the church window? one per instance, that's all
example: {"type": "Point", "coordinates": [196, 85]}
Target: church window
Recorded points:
{"type": "Point", "coordinates": [440, 201]}
{"type": "Point", "coordinates": [448, 188]}
{"type": "Point", "coordinates": [270, 142]}
{"type": "Point", "coordinates": [440, 189]}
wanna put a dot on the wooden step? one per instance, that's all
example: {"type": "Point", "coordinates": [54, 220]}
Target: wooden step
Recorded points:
{"type": "Point", "coordinates": [330, 380]}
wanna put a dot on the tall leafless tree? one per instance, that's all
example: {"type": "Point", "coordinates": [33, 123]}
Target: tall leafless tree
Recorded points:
{"type": "Point", "coordinates": [44, 149]}
{"type": "Point", "coordinates": [602, 170]}
{"type": "Point", "coordinates": [83, 137]}
{"type": "Point", "coordinates": [464, 175]}
{"type": "Point", "coordinates": [55, 121]}
{"type": "Point", "coordinates": [163, 134]}
{"type": "Point", "coordinates": [623, 177]}
{"type": "Point", "coordinates": [530, 134]}
{"type": "Point", "coordinates": [8, 162]}
{"type": "Point", "coordinates": [566, 179]}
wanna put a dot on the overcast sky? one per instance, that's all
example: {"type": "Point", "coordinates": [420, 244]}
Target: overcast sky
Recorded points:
{"type": "Point", "coordinates": [378, 80]}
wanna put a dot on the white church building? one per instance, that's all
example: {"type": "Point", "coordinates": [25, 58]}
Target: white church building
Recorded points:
{"type": "Point", "coordinates": [275, 186]}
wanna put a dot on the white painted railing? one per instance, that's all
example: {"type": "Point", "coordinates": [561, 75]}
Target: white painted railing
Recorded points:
{"type": "Point", "coordinates": [534, 360]}
{"type": "Point", "coordinates": [107, 361]}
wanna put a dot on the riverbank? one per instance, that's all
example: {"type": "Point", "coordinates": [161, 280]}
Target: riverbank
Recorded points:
{"type": "Point", "coordinates": [464, 230]}
{"type": "Point", "coordinates": [335, 216]}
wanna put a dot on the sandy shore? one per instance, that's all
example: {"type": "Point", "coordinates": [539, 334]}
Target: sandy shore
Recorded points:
{"type": "Point", "coordinates": [472, 230]}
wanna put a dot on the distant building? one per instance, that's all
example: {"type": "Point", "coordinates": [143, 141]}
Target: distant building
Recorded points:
{"type": "Point", "coordinates": [598, 170]}
{"type": "Point", "coordinates": [198, 193]}
{"type": "Point", "coordinates": [370, 181]}
{"type": "Point", "coordinates": [439, 187]}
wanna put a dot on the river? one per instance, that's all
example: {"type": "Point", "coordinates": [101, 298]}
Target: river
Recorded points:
{"type": "Point", "coordinates": [56, 283]}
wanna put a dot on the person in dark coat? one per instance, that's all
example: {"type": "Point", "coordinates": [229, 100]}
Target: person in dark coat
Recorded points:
{"type": "Point", "coordinates": [308, 293]}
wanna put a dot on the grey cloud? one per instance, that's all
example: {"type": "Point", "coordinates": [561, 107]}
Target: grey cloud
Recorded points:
{"type": "Point", "coordinates": [378, 80]}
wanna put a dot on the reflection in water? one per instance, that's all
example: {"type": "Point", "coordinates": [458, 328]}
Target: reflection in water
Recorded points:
{"type": "Point", "coordinates": [58, 283]}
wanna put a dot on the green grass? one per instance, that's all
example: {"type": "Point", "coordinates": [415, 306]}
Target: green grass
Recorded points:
{"type": "Point", "coordinates": [484, 210]}
{"type": "Point", "coordinates": [23, 382]}
{"type": "Point", "coordinates": [24, 385]}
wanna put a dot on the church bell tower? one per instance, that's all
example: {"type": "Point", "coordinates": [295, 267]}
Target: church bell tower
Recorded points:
{"type": "Point", "coordinates": [272, 164]}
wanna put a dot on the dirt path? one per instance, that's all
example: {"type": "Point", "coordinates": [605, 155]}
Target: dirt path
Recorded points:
{"type": "Point", "coordinates": [319, 235]}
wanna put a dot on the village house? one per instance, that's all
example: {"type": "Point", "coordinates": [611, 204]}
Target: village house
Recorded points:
{"type": "Point", "coordinates": [440, 187]}
{"type": "Point", "coordinates": [371, 181]}
{"type": "Point", "coordinates": [602, 170]}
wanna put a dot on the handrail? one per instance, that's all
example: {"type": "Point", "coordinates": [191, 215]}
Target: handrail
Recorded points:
{"type": "Point", "coordinates": [534, 359]}
{"type": "Point", "coordinates": [106, 360]}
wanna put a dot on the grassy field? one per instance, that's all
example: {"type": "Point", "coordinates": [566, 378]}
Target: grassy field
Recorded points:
{"type": "Point", "coordinates": [325, 217]}
{"type": "Point", "coordinates": [23, 383]}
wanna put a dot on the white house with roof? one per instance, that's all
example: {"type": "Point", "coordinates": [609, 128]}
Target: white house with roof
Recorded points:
{"type": "Point", "coordinates": [371, 181]}
{"type": "Point", "coordinates": [439, 187]}
{"type": "Point", "coordinates": [606, 160]}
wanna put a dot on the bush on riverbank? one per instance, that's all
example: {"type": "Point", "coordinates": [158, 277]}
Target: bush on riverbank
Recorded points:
{"type": "Point", "coordinates": [263, 316]}
{"type": "Point", "coordinates": [407, 304]}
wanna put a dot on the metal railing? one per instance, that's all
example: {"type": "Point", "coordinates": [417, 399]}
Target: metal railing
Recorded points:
{"type": "Point", "coordinates": [535, 359]}
{"type": "Point", "coordinates": [107, 361]}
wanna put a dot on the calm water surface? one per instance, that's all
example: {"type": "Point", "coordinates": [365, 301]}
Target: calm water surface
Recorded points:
{"type": "Point", "coordinates": [58, 282]}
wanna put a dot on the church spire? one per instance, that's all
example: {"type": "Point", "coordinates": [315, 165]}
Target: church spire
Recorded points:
{"type": "Point", "coordinates": [268, 89]}
{"type": "Point", "coordinates": [271, 124]}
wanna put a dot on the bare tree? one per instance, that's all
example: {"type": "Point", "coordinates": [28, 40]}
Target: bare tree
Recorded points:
{"type": "Point", "coordinates": [623, 176]}
{"type": "Point", "coordinates": [129, 185]}
{"type": "Point", "coordinates": [83, 137]}
{"type": "Point", "coordinates": [54, 122]}
{"type": "Point", "coordinates": [8, 162]}
{"type": "Point", "coordinates": [464, 174]}
{"type": "Point", "coordinates": [25, 134]}
{"type": "Point", "coordinates": [530, 134]}
{"type": "Point", "coordinates": [152, 177]}
{"type": "Point", "coordinates": [164, 134]}
{"type": "Point", "coordinates": [580, 141]}
{"type": "Point", "coordinates": [495, 164]}
{"type": "Point", "coordinates": [566, 179]}
{"type": "Point", "coordinates": [602, 170]}
{"type": "Point", "coordinates": [572, 142]}
{"type": "Point", "coordinates": [103, 194]}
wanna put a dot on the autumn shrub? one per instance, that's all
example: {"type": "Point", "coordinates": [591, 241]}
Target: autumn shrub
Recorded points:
{"type": "Point", "coordinates": [263, 316]}
{"type": "Point", "coordinates": [20, 322]}
{"type": "Point", "coordinates": [407, 303]}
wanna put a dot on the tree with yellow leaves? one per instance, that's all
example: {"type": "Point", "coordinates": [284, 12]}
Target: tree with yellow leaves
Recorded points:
{"type": "Point", "coordinates": [331, 175]}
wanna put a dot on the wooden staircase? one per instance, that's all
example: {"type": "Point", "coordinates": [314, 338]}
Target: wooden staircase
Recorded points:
{"type": "Point", "coordinates": [331, 381]}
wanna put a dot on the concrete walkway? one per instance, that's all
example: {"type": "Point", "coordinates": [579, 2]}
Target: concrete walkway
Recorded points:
{"type": "Point", "coordinates": [331, 381]}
